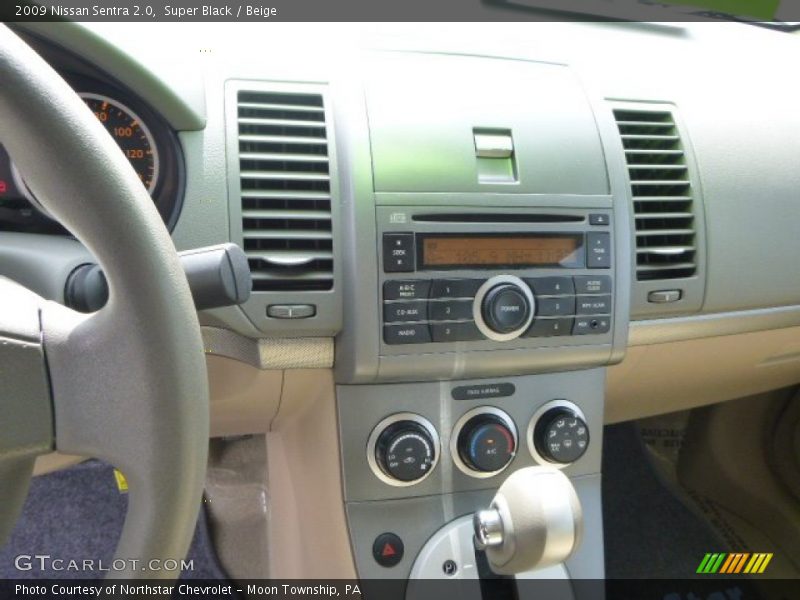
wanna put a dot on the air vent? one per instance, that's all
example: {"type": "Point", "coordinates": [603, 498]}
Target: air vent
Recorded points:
{"type": "Point", "coordinates": [663, 203]}
{"type": "Point", "coordinates": [285, 190]}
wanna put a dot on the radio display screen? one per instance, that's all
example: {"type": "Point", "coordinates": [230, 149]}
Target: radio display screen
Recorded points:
{"type": "Point", "coordinates": [512, 250]}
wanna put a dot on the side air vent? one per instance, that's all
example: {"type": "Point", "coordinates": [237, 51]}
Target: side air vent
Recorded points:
{"type": "Point", "coordinates": [284, 172]}
{"type": "Point", "coordinates": [663, 200]}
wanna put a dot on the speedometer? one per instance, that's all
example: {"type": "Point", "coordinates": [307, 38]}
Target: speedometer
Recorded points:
{"type": "Point", "coordinates": [130, 133]}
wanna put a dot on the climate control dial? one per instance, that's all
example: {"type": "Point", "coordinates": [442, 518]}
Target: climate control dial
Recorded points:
{"type": "Point", "coordinates": [403, 449]}
{"type": "Point", "coordinates": [484, 442]}
{"type": "Point", "coordinates": [560, 434]}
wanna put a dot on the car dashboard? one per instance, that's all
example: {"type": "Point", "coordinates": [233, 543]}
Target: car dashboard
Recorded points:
{"type": "Point", "coordinates": [496, 225]}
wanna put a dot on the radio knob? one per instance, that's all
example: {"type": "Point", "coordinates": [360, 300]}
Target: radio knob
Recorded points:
{"type": "Point", "coordinates": [405, 451]}
{"type": "Point", "coordinates": [505, 308]}
{"type": "Point", "coordinates": [486, 444]}
{"type": "Point", "coordinates": [561, 436]}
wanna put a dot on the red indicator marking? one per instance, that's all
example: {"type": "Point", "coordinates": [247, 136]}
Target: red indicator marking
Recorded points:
{"type": "Point", "coordinates": [3, 186]}
{"type": "Point", "coordinates": [509, 438]}
{"type": "Point", "coordinates": [388, 550]}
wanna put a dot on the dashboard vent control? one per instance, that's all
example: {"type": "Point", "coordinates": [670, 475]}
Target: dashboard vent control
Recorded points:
{"type": "Point", "coordinates": [663, 202]}
{"type": "Point", "coordinates": [285, 190]}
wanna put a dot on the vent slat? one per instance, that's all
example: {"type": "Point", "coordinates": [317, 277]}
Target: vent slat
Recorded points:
{"type": "Point", "coordinates": [661, 191]}
{"type": "Point", "coordinates": [662, 232]}
{"type": "Point", "coordinates": [666, 250]}
{"type": "Point", "coordinates": [279, 122]}
{"type": "Point", "coordinates": [654, 152]}
{"type": "Point", "coordinates": [645, 124]}
{"type": "Point", "coordinates": [290, 195]}
{"type": "Point", "coordinates": [655, 268]}
{"type": "Point", "coordinates": [656, 167]}
{"type": "Point", "coordinates": [284, 175]}
{"type": "Point", "coordinates": [255, 213]}
{"type": "Point", "coordinates": [663, 198]}
{"type": "Point", "coordinates": [286, 196]}
{"type": "Point", "coordinates": [281, 107]}
{"type": "Point", "coordinates": [288, 256]}
{"type": "Point", "coordinates": [294, 234]}
{"type": "Point", "coordinates": [303, 276]}
{"type": "Point", "coordinates": [644, 136]}
{"type": "Point", "coordinates": [273, 156]}
{"type": "Point", "coordinates": [257, 138]}
{"type": "Point", "coordinates": [659, 182]}
{"type": "Point", "coordinates": [674, 215]}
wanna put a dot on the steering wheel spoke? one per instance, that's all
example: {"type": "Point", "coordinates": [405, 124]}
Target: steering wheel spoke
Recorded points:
{"type": "Point", "coordinates": [26, 419]}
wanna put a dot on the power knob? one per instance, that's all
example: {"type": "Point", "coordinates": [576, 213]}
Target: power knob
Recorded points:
{"type": "Point", "coordinates": [504, 307]}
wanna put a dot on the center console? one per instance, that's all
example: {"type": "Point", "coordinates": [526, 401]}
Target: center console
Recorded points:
{"type": "Point", "coordinates": [486, 292]}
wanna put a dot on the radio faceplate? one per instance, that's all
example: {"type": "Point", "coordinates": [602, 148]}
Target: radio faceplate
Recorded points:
{"type": "Point", "coordinates": [552, 284]}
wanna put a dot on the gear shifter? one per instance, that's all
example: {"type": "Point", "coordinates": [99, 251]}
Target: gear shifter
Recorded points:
{"type": "Point", "coordinates": [534, 521]}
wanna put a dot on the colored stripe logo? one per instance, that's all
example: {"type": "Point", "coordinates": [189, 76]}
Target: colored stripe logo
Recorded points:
{"type": "Point", "coordinates": [734, 563]}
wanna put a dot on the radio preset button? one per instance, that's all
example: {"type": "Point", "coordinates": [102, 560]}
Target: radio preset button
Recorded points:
{"type": "Point", "coordinates": [455, 288]}
{"type": "Point", "coordinates": [591, 284]}
{"type": "Point", "coordinates": [555, 307]}
{"type": "Point", "coordinates": [455, 332]}
{"type": "Point", "coordinates": [398, 252]}
{"type": "Point", "coordinates": [416, 310]}
{"type": "Point", "coordinates": [406, 289]}
{"type": "Point", "coordinates": [551, 286]}
{"type": "Point", "coordinates": [450, 310]}
{"type": "Point", "coordinates": [505, 308]}
{"type": "Point", "coordinates": [593, 305]}
{"type": "Point", "coordinates": [550, 327]}
{"type": "Point", "coordinates": [406, 334]}
{"type": "Point", "coordinates": [586, 325]}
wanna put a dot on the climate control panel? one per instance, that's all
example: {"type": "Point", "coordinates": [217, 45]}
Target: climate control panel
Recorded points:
{"type": "Point", "coordinates": [404, 449]}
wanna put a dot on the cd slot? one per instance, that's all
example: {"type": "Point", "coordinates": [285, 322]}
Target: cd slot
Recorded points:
{"type": "Point", "coordinates": [497, 218]}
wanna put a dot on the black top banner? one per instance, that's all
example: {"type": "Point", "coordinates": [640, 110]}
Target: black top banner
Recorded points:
{"type": "Point", "coordinates": [781, 14]}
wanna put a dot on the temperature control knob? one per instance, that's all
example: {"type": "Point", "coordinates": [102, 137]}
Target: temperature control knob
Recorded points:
{"type": "Point", "coordinates": [405, 451]}
{"type": "Point", "coordinates": [561, 435]}
{"type": "Point", "coordinates": [485, 441]}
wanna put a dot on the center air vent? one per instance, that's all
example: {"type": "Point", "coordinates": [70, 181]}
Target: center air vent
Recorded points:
{"type": "Point", "coordinates": [285, 190]}
{"type": "Point", "coordinates": [663, 202]}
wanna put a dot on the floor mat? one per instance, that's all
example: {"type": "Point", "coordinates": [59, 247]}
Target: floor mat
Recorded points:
{"type": "Point", "coordinates": [77, 514]}
{"type": "Point", "coordinates": [649, 532]}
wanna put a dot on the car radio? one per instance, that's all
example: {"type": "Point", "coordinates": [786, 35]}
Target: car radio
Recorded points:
{"type": "Point", "coordinates": [489, 278]}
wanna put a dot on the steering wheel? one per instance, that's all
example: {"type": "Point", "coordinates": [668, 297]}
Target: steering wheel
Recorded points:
{"type": "Point", "coordinates": [128, 383]}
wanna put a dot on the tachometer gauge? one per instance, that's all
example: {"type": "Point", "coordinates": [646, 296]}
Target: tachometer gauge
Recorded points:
{"type": "Point", "coordinates": [130, 133]}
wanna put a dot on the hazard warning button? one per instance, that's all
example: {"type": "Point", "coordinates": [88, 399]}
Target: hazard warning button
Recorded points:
{"type": "Point", "coordinates": [387, 549]}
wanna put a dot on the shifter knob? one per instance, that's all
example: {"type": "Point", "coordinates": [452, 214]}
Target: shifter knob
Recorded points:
{"type": "Point", "coordinates": [535, 520]}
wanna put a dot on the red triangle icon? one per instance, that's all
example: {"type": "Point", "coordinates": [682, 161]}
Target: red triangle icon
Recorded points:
{"type": "Point", "coordinates": [388, 550]}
